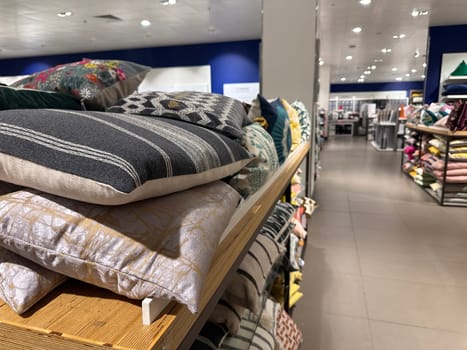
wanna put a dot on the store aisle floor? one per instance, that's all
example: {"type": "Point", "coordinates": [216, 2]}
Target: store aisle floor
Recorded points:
{"type": "Point", "coordinates": [386, 267]}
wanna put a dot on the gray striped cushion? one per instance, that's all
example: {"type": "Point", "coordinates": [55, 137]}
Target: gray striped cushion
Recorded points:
{"type": "Point", "coordinates": [246, 287]}
{"type": "Point", "coordinates": [251, 336]}
{"type": "Point", "coordinates": [111, 158]}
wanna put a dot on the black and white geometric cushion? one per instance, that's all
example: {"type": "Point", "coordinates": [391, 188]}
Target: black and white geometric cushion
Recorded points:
{"type": "Point", "coordinates": [214, 111]}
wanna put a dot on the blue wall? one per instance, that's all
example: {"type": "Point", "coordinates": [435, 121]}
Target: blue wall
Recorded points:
{"type": "Point", "coordinates": [231, 62]}
{"type": "Point", "coordinates": [369, 87]}
{"type": "Point", "coordinates": [442, 39]}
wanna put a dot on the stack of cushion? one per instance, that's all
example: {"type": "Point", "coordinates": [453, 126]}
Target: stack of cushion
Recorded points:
{"type": "Point", "coordinates": [111, 180]}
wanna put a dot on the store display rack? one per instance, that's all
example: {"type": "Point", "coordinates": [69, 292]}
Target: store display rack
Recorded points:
{"type": "Point", "coordinates": [448, 136]}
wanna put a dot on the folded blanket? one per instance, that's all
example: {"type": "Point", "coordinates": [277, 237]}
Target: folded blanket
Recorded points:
{"type": "Point", "coordinates": [451, 179]}
{"type": "Point", "coordinates": [455, 195]}
{"type": "Point", "coordinates": [439, 165]}
{"type": "Point", "coordinates": [451, 89]}
{"type": "Point", "coordinates": [453, 145]}
{"type": "Point", "coordinates": [450, 172]}
{"type": "Point", "coordinates": [455, 188]}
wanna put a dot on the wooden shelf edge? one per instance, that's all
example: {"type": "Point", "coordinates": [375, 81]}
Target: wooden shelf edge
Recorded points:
{"type": "Point", "coordinates": [436, 130]}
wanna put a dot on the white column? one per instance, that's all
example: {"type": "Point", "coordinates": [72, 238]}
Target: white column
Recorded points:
{"type": "Point", "coordinates": [324, 86]}
{"type": "Point", "coordinates": [289, 62]}
{"type": "Point", "coordinates": [288, 55]}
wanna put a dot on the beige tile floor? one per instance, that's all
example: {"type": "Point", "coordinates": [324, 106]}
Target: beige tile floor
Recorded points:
{"type": "Point", "coordinates": [386, 267]}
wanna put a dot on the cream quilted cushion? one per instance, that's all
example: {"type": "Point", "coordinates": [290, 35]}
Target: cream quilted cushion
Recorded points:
{"type": "Point", "coordinates": [159, 247]}
{"type": "Point", "coordinates": [23, 283]}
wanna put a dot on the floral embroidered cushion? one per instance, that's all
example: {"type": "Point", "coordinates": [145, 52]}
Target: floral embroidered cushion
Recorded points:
{"type": "Point", "coordinates": [99, 83]}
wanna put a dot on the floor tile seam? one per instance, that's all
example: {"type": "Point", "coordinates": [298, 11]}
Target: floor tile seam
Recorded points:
{"type": "Point", "coordinates": [440, 284]}
{"type": "Point", "coordinates": [407, 281]}
{"type": "Point", "coordinates": [391, 258]}
{"type": "Point", "coordinates": [337, 272]}
{"type": "Point", "coordinates": [405, 324]}
{"type": "Point", "coordinates": [338, 314]}
{"type": "Point", "coordinates": [433, 261]}
{"type": "Point", "coordinates": [365, 299]}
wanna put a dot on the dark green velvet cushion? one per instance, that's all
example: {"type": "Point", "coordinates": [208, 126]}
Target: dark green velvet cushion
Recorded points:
{"type": "Point", "coordinates": [11, 98]}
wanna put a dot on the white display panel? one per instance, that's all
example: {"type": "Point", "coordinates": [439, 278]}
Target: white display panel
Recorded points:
{"type": "Point", "coordinates": [245, 92]}
{"type": "Point", "coordinates": [195, 78]}
{"type": "Point", "coordinates": [371, 95]}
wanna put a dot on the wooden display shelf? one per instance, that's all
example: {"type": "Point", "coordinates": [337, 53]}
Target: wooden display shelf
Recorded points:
{"type": "Point", "coordinates": [435, 130]}
{"type": "Point", "coordinates": [78, 316]}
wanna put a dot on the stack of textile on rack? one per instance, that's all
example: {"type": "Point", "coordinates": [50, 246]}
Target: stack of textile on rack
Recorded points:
{"type": "Point", "coordinates": [455, 170]}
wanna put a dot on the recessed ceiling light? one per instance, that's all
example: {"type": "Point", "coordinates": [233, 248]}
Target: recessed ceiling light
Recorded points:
{"type": "Point", "coordinates": [377, 60]}
{"type": "Point", "coordinates": [398, 78]}
{"type": "Point", "coordinates": [407, 74]}
{"type": "Point", "coordinates": [394, 69]}
{"type": "Point", "coordinates": [362, 76]}
{"type": "Point", "coordinates": [343, 79]}
{"type": "Point", "coordinates": [365, 2]}
{"type": "Point", "coordinates": [348, 58]}
{"type": "Point", "coordinates": [423, 76]}
{"type": "Point", "coordinates": [168, 2]}
{"type": "Point", "coordinates": [385, 50]}
{"type": "Point", "coordinates": [373, 67]}
{"type": "Point", "coordinates": [399, 36]}
{"type": "Point", "coordinates": [367, 72]}
{"type": "Point", "coordinates": [419, 12]}
{"type": "Point", "coordinates": [64, 14]}
{"type": "Point", "coordinates": [145, 23]}
{"type": "Point", "coordinates": [321, 63]}
{"type": "Point", "coordinates": [357, 30]}
{"type": "Point", "coordinates": [424, 65]}
{"type": "Point", "coordinates": [413, 70]}
{"type": "Point", "coordinates": [361, 80]}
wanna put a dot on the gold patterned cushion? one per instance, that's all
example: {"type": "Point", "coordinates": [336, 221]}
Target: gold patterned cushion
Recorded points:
{"type": "Point", "coordinates": [23, 283]}
{"type": "Point", "coordinates": [160, 247]}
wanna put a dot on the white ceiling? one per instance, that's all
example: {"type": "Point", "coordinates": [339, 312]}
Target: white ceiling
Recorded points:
{"type": "Point", "coordinates": [379, 22]}
{"type": "Point", "coordinates": [32, 28]}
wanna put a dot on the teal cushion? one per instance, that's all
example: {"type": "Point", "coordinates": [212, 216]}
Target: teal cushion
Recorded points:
{"type": "Point", "coordinates": [278, 126]}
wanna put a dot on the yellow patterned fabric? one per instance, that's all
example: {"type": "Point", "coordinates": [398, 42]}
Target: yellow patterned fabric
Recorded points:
{"type": "Point", "coordinates": [23, 283]}
{"type": "Point", "coordinates": [294, 124]}
{"type": "Point", "coordinates": [160, 247]}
